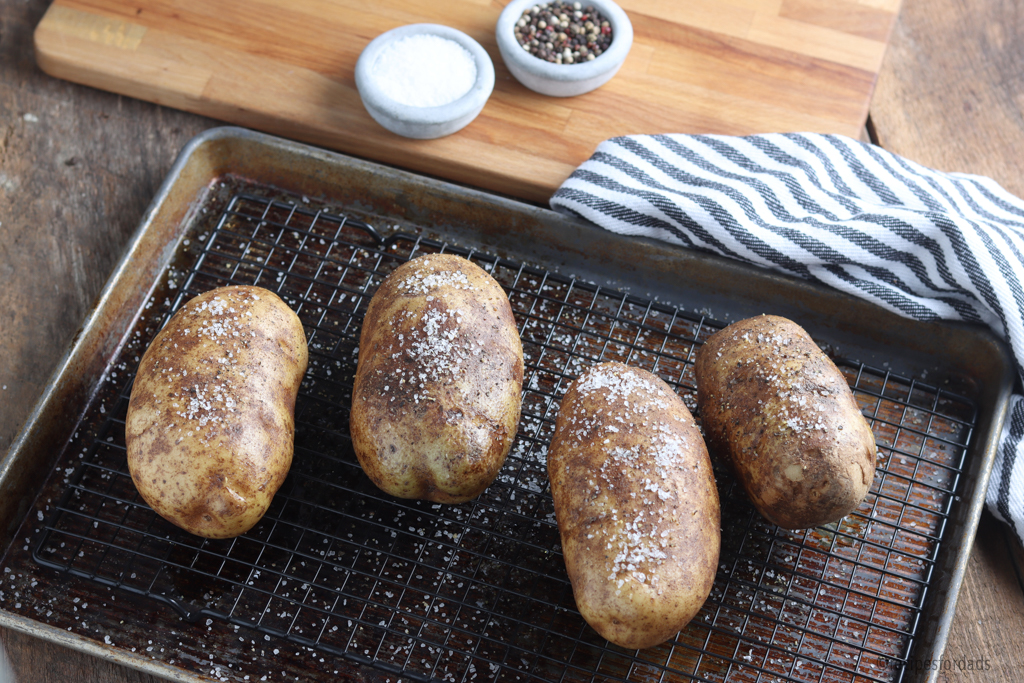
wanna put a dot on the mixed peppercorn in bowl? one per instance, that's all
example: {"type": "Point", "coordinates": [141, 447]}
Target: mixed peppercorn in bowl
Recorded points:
{"type": "Point", "coordinates": [563, 49]}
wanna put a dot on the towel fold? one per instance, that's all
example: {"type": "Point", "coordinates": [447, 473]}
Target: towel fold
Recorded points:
{"type": "Point", "coordinates": [926, 244]}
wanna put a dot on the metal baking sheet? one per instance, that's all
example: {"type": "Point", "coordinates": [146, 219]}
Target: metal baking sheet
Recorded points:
{"type": "Point", "coordinates": [342, 580]}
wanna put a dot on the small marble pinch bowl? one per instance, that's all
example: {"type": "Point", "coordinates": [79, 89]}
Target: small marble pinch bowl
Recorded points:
{"type": "Point", "coordinates": [423, 122]}
{"type": "Point", "coordinates": [563, 80]}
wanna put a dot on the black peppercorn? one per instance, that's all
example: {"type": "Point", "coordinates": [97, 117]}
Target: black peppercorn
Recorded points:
{"type": "Point", "coordinates": [563, 32]}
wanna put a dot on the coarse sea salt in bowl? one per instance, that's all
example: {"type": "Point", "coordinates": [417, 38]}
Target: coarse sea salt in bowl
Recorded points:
{"type": "Point", "coordinates": [586, 72]}
{"type": "Point", "coordinates": [424, 80]}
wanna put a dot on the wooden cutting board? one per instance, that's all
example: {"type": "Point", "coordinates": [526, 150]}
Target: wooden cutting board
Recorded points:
{"type": "Point", "coordinates": [286, 67]}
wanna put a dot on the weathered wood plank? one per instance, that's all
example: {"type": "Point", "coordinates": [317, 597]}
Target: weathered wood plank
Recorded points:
{"type": "Point", "coordinates": [950, 95]}
{"type": "Point", "coordinates": [78, 167]}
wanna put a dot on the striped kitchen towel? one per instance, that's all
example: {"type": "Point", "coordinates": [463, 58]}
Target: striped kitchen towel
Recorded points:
{"type": "Point", "coordinates": [926, 244]}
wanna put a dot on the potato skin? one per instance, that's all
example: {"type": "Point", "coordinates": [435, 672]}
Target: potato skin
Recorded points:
{"type": "Point", "coordinates": [438, 387]}
{"type": "Point", "coordinates": [636, 504]}
{"type": "Point", "coordinates": [777, 409]}
{"type": "Point", "coordinates": [210, 425]}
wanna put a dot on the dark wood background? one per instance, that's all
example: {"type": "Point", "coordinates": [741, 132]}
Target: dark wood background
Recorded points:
{"type": "Point", "coordinates": [78, 167]}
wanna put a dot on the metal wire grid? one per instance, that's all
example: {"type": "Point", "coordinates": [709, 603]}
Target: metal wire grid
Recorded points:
{"type": "Point", "coordinates": [478, 591]}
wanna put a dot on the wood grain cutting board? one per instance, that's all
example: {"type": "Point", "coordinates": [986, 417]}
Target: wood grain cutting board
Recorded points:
{"type": "Point", "coordinates": [287, 67]}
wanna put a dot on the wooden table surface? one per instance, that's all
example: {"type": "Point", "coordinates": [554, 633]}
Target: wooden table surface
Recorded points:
{"type": "Point", "coordinates": [729, 66]}
{"type": "Point", "coordinates": [79, 166]}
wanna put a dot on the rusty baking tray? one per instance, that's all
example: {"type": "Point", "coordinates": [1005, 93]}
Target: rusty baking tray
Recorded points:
{"type": "Point", "coordinates": [340, 580]}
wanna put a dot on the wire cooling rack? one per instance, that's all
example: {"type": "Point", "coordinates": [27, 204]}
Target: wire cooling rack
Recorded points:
{"type": "Point", "coordinates": [478, 592]}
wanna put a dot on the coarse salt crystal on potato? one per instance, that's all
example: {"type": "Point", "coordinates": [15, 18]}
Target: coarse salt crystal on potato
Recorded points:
{"type": "Point", "coordinates": [636, 504]}
{"type": "Point", "coordinates": [210, 424]}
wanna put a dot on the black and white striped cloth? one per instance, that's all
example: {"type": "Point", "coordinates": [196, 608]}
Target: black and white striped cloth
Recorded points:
{"type": "Point", "coordinates": [926, 244]}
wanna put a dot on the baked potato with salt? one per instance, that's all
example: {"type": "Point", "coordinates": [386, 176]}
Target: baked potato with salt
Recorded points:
{"type": "Point", "coordinates": [777, 409]}
{"type": "Point", "coordinates": [636, 504]}
{"type": "Point", "coordinates": [438, 386]}
{"type": "Point", "coordinates": [210, 424]}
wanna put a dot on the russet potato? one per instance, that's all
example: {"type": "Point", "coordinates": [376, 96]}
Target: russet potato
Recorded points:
{"type": "Point", "coordinates": [438, 387]}
{"type": "Point", "coordinates": [636, 504]}
{"type": "Point", "coordinates": [777, 409]}
{"type": "Point", "coordinates": [210, 424]}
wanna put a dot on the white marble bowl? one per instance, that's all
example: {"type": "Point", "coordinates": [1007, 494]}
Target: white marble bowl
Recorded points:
{"type": "Point", "coordinates": [563, 80]}
{"type": "Point", "coordinates": [422, 122]}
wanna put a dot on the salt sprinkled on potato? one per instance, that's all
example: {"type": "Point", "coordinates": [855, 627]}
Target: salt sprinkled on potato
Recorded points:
{"type": "Point", "coordinates": [210, 424]}
{"type": "Point", "coordinates": [437, 394]}
{"type": "Point", "coordinates": [777, 409]}
{"type": "Point", "coordinates": [636, 504]}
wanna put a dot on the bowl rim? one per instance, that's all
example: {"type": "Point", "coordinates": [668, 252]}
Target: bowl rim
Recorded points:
{"type": "Point", "coordinates": [374, 96]}
{"type": "Point", "coordinates": [511, 50]}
